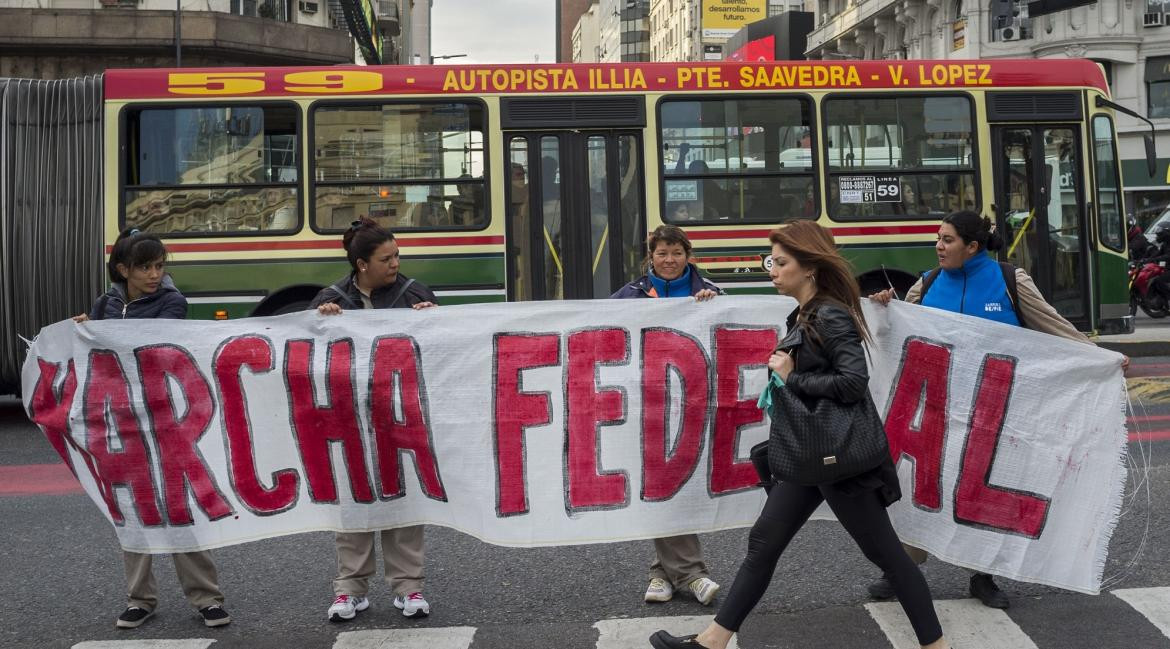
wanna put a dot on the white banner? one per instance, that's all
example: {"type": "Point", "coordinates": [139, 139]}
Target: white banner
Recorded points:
{"type": "Point", "coordinates": [530, 424]}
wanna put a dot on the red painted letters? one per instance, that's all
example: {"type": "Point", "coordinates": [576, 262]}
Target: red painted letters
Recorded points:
{"type": "Point", "coordinates": [976, 501]}
{"type": "Point", "coordinates": [52, 413]}
{"type": "Point", "coordinates": [587, 410]}
{"type": "Point", "coordinates": [514, 410]}
{"type": "Point", "coordinates": [316, 427]}
{"type": "Point", "coordinates": [396, 361]}
{"type": "Point", "coordinates": [921, 386]}
{"type": "Point", "coordinates": [663, 471]}
{"type": "Point", "coordinates": [735, 349]}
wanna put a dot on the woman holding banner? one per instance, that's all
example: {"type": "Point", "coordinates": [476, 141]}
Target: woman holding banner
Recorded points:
{"type": "Point", "coordinates": [375, 283]}
{"type": "Point", "coordinates": [678, 561]}
{"type": "Point", "coordinates": [968, 280]}
{"type": "Point", "coordinates": [821, 358]}
{"type": "Point", "coordinates": [140, 288]}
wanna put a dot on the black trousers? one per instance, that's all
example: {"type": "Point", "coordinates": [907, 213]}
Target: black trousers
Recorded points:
{"type": "Point", "coordinates": [786, 511]}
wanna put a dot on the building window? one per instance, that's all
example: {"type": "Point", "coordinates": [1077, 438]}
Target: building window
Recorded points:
{"type": "Point", "coordinates": [925, 143]}
{"type": "Point", "coordinates": [737, 160]}
{"type": "Point", "coordinates": [222, 169]}
{"type": "Point", "coordinates": [1158, 86]}
{"type": "Point", "coordinates": [406, 166]}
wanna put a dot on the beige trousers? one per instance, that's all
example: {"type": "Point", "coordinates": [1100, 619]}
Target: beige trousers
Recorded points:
{"type": "Point", "coordinates": [196, 573]}
{"type": "Point", "coordinates": [402, 555]}
{"type": "Point", "coordinates": [678, 560]}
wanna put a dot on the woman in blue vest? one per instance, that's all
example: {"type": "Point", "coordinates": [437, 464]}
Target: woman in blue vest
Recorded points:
{"type": "Point", "coordinates": [678, 561]}
{"type": "Point", "coordinates": [969, 280]}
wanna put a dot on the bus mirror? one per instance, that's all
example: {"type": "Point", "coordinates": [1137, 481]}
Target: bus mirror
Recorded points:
{"type": "Point", "coordinates": [1151, 154]}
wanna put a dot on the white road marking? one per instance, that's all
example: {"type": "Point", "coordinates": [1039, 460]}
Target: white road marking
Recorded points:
{"type": "Point", "coordinates": [1154, 603]}
{"type": "Point", "coordinates": [451, 637]}
{"type": "Point", "coordinates": [966, 623]}
{"type": "Point", "coordinates": [634, 633]}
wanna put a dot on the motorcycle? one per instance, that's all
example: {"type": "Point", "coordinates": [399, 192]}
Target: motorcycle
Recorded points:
{"type": "Point", "coordinates": [1142, 292]}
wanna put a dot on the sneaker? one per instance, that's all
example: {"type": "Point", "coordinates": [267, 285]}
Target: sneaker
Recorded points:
{"type": "Point", "coordinates": [704, 590]}
{"type": "Point", "coordinates": [214, 616]}
{"type": "Point", "coordinates": [984, 589]}
{"type": "Point", "coordinates": [345, 607]}
{"type": "Point", "coordinates": [133, 617]}
{"type": "Point", "coordinates": [413, 605]}
{"type": "Point", "coordinates": [881, 589]}
{"type": "Point", "coordinates": [659, 590]}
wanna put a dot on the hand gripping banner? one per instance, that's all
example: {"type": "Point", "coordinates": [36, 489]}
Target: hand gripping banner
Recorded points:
{"type": "Point", "coordinates": [531, 424]}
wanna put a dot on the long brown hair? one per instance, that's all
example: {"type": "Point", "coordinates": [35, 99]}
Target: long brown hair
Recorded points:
{"type": "Point", "coordinates": [812, 247]}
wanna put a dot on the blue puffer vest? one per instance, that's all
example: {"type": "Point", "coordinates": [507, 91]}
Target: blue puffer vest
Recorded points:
{"type": "Point", "coordinates": [975, 289]}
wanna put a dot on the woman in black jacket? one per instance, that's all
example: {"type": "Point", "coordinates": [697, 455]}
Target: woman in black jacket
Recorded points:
{"type": "Point", "coordinates": [821, 358]}
{"type": "Point", "coordinates": [375, 283]}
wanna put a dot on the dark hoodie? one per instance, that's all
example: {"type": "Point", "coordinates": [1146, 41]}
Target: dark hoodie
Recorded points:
{"type": "Point", "coordinates": [166, 302]}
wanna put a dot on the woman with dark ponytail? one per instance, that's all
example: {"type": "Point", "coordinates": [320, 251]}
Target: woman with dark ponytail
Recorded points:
{"type": "Point", "coordinates": [969, 280]}
{"type": "Point", "coordinates": [375, 283]}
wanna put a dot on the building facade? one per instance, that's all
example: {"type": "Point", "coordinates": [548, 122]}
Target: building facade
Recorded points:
{"type": "Point", "coordinates": [587, 36]}
{"type": "Point", "coordinates": [1129, 38]}
{"type": "Point", "coordinates": [676, 31]}
{"type": "Point", "coordinates": [567, 14]}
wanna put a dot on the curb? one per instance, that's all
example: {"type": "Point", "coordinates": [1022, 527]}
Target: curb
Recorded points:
{"type": "Point", "coordinates": [1137, 348]}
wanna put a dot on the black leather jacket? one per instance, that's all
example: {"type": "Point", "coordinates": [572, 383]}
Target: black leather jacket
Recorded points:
{"type": "Point", "coordinates": [830, 361]}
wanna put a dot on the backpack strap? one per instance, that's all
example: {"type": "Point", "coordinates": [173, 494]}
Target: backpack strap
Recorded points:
{"type": "Point", "coordinates": [927, 280]}
{"type": "Point", "coordinates": [100, 306]}
{"type": "Point", "coordinates": [345, 296]}
{"type": "Point", "coordinates": [401, 292]}
{"type": "Point", "coordinates": [1009, 279]}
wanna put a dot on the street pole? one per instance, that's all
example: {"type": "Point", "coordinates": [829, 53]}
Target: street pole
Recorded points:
{"type": "Point", "coordinates": [178, 33]}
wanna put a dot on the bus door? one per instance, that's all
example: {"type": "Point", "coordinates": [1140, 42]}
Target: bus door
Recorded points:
{"type": "Point", "coordinates": [576, 221]}
{"type": "Point", "coordinates": [1041, 214]}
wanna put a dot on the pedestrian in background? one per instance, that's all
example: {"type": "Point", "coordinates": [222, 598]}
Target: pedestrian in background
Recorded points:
{"type": "Point", "coordinates": [969, 281]}
{"type": "Point", "coordinates": [375, 283]}
{"type": "Point", "coordinates": [140, 288]}
{"type": "Point", "coordinates": [678, 561]}
{"type": "Point", "coordinates": [821, 357]}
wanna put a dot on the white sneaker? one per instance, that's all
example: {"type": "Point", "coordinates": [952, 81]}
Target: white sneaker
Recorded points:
{"type": "Point", "coordinates": [704, 590]}
{"type": "Point", "coordinates": [413, 605]}
{"type": "Point", "coordinates": [659, 590]}
{"type": "Point", "coordinates": [346, 607]}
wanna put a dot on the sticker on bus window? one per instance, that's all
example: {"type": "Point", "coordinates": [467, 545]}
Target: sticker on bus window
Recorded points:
{"type": "Point", "coordinates": [685, 190]}
{"type": "Point", "coordinates": [869, 189]}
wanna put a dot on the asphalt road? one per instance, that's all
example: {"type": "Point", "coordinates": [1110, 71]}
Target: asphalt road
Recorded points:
{"type": "Point", "coordinates": [61, 579]}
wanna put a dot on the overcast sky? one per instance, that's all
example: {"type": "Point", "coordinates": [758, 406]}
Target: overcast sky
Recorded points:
{"type": "Point", "coordinates": [494, 31]}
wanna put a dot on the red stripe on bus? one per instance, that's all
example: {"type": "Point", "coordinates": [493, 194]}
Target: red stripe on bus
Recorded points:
{"type": "Point", "coordinates": [844, 231]}
{"type": "Point", "coordinates": [37, 480]}
{"type": "Point", "coordinates": [245, 246]}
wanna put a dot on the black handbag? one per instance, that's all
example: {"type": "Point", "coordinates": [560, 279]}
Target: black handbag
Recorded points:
{"type": "Point", "coordinates": [828, 443]}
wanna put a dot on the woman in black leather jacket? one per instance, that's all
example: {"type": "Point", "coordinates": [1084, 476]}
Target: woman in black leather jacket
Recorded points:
{"type": "Point", "coordinates": [821, 358]}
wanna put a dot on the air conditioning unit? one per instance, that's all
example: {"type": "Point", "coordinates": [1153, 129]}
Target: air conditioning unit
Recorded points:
{"type": "Point", "coordinates": [1009, 33]}
{"type": "Point", "coordinates": [307, 7]}
{"type": "Point", "coordinates": [1156, 19]}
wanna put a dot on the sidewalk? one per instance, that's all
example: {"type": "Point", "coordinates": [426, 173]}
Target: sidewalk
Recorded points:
{"type": "Point", "coordinates": [1151, 337]}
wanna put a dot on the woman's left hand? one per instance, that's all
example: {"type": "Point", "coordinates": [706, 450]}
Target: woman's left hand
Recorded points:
{"type": "Point", "coordinates": [1124, 364]}
{"type": "Point", "coordinates": [423, 305]}
{"type": "Point", "coordinates": [704, 295]}
{"type": "Point", "coordinates": [782, 364]}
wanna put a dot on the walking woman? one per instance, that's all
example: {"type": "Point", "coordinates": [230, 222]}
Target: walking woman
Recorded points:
{"type": "Point", "coordinates": [140, 288]}
{"type": "Point", "coordinates": [970, 281]}
{"type": "Point", "coordinates": [678, 561]}
{"type": "Point", "coordinates": [821, 358]}
{"type": "Point", "coordinates": [375, 283]}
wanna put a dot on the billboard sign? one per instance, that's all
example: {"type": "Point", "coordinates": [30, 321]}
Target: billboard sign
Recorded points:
{"type": "Point", "coordinates": [722, 18]}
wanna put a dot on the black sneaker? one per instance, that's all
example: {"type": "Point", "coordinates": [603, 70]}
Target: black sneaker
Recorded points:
{"type": "Point", "coordinates": [133, 617]}
{"type": "Point", "coordinates": [985, 590]}
{"type": "Point", "coordinates": [881, 589]}
{"type": "Point", "coordinates": [214, 615]}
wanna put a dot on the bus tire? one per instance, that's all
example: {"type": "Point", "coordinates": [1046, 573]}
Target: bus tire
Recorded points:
{"type": "Point", "coordinates": [292, 307]}
{"type": "Point", "coordinates": [287, 300]}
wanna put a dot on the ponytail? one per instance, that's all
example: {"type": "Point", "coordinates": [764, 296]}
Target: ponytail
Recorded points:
{"type": "Point", "coordinates": [973, 227]}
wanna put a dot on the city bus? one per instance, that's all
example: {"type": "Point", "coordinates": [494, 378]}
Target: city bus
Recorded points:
{"type": "Point", "coordinates": [537, 182]}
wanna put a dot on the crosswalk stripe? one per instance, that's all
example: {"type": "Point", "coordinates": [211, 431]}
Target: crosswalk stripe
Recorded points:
{"type": "Point", "coordinates": [188, 643]}
{"type": "Point", "coordinates": [1154, 603]}
{"type": "Point", "coordinates": [966, 623]}
{"type": "Point", "coordinates": [450, 637]}
{"type": "Point", "coordinates": [634, 633]}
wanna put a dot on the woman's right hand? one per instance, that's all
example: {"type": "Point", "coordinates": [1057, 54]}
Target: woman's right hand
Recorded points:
{"type": "Point", "coordinates": [81, 317]}
{"type": "Point", "coordinates": [883, 297]}
{"type": "Point", "coordinates": [329, 308]}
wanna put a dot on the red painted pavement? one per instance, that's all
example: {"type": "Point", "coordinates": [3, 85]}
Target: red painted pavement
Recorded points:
{"type": "Point", "coordinates": [37, 480]}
